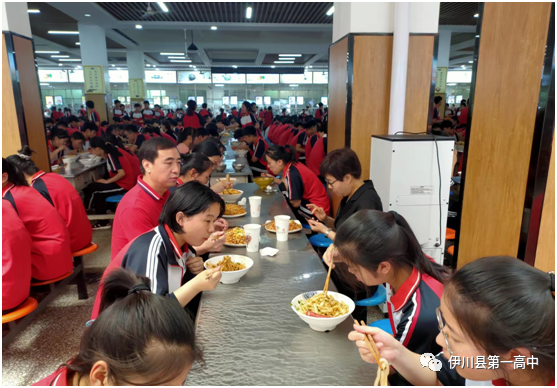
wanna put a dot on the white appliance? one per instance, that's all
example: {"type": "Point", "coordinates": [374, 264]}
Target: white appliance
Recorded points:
{"type": "Point", "coordinates": [406, 174]}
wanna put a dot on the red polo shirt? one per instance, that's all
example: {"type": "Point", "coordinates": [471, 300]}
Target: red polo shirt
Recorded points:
{"type": "Point", "coordinates": [57, 379]}
{"type": "Point", "coordinates": [113, 164]}
{"type": "Point", "coordinates": [193, 121]}
{"type": "Point", "coordinates": [285, 136]}
{"type": "Point", "coordinates": [148, 114]}
{"type": "Point", "coordinates": [94, 117]}
{"type": "Point", "coordinates": [65, 199]}
{"type": "Point", "coordinates": [318, 153]}
{"type": "Point", "coordinates": [309, 145]}
{"type": "Point", "coordinates": [167, 136]}
{"type": "Point", "coordinates": [51, 255]}
{"type": "Point", "coordinates": [134, 162]}
{"type": "Point", "coordinates": [137, 213]}
{"type": "Point", "coordinates": [16, 258]}
{"type": "Point", "coordinates": [304, 185]}
{"type": "Point", "coordinates": [204, 112]}
{"type": "Point", "coordinates": [268, 116]}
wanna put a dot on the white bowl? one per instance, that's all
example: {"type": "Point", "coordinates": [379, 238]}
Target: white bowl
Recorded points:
{"type": "Point", "coordinates": [242, 153]}
{"type": "Point", "coordinates": [231, 198]}
{"type": "Point", "coordinates": [88, 162]}
{"type": "Point", "coordinates": [69, 158]}
{"type": "Point", "coordinates": [231, 277]}
{"type": "Point", "coordinates": [323, 324]}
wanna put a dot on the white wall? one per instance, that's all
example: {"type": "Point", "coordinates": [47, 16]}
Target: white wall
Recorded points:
{"type": "Point", "coordinates": [15, 18]}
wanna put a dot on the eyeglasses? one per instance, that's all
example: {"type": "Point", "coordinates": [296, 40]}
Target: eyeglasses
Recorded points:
{"type": "Point", "coordinates": [442, 324]}
{"type": "Point", "coordinates": [330, 184]}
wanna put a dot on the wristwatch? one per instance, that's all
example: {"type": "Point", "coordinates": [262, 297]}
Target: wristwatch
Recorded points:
{"type": "Point", "coordinates": [328, 231]}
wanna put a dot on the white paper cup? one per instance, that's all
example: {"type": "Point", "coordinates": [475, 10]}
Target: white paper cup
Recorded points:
{"type": "Point", "coordinates": [253, 232]}
{"type": "Point", "coordinates": [282, 224]}
{"type": "Point", "coordinates": [255, 206]}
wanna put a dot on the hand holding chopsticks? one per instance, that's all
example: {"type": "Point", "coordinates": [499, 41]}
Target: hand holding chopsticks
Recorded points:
{"type": "Point", "coordinates": [326, 288]}
{"type": "Point", "coordinates": [382, 364]}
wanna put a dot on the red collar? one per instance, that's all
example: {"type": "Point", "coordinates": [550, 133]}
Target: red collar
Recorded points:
{"type": "Point", "coordinates": [179, 182]}
{"type": "Point", "coordinates": [150, 191]}
{"type": "Point", "coordinates": [37, 175]}
{"type": "Point", "coordinates": [6, 189]}
{"type": "Point", "coordinates": [174, 243]}
{"type": "Point", "coordinates": [405, 291]}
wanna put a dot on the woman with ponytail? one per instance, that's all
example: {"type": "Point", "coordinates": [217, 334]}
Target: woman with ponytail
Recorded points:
{"type": "Point", "coordinates": [140, 338]}
{"type": "Point", "coordinates": [497, 312]}
{"type": "Point", "coordinates": [191, 117]}
{"type": "Point", "coordinates": [57, 145]}
{"type": "Point", "coordinates": [60, 194]}
{"type": "Point", "coordinates": [298, 183]}
{"type": "Point", "coordinates": [121, 178]}
{"type": "Point", "coordinates": [381, 248]}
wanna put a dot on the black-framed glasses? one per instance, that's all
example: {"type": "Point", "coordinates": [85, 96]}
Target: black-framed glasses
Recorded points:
{"type": "Point", "coordinates": [330, 184]}
{"type": "Point", "coordinates": [442, 325]}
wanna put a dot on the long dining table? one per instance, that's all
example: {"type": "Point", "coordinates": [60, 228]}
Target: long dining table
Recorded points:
{"type": "Point", "coordinates": [249, 333]}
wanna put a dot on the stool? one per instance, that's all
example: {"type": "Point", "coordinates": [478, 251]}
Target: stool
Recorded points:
{"type": "Point", "coordinates": [450, 250]}
{"type": "Point", "coordinates": [78, 266]}
{"type": "Point", "coordinates": [319, 240]}
{"type": "Point", "coordinates": [51, 281]}
{"type": "Point", "coordinates": [383, 324]}
{"type": "Point", "coordinates": [378, 298]}
{"type": "Point", "coordinates": [450, 234]}
{"type": "Point", "coordinates": [27, 307]}
{"type": "Point", "coordinates": [115, 198]}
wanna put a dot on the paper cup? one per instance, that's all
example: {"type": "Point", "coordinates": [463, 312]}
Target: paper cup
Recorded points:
{"type": "Point", "coordinates": [255, 206]}
{"type": "Point", "coordinates": [253, 232]}
{"type": "Point", "coordinates": [282, 224]}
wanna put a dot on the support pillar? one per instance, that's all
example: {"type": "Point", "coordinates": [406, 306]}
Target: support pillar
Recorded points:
{"type": "Point", "coordinates": [136, 72]}
{"type": "Point", "coordinates": [94, 53]}
{"type": "Point", "coordinates": [22, 119]}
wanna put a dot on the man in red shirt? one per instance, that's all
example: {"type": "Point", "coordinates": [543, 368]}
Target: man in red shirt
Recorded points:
{"type": "Point", "coordinates": [147, 113]}
{"type": "Point", "coordinates": [463, 113]}
{"type": "Point", "coordinates": [139, 210]}
{"type": "Point", "coordinates": [268, 117]}
{"type": "Point", "coordinates": [204, 112]}
{"type": "Point", "coordinates": [319, 112]}
{"type": "Point", "coordinates": [159, 114]}
{"type": "Point", "coordinates": [54, 114]}
{"type": "Point", "coordinates": [93, 114]}
{"type": "Point", "coordinates": [234, 112]}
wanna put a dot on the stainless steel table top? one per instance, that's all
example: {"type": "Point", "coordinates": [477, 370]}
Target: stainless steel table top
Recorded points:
{"type": "Point", "coordinates": [248, 331]}
{"type": "Point", "coordinates": [230, 158]}
{"type": "Point", "coordinates": [78, 169]}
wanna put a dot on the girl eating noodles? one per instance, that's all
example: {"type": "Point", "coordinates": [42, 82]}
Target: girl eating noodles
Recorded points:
{"type": "Point", "coordinates": [498, 313]}
{"type": "Point", "coordinates": [161, 350]}
{"type": "Point", "coordinates": [198, 167]}
{"type": "Point", "coordinates": [57, 145]}
{"type": "Point", "coordinates": [185, 139]}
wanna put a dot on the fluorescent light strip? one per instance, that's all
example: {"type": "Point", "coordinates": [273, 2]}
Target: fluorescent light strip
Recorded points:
{"type": "Point", "coordinates": [284, 62]}
{"type": "Point", "coordinates": [33, 11]}
{"type": "Point", "coordinates": [293, 86]}
{"type": "Point", "coordinates": [219, 86]}
{"type": "Point", "coordinates": [180, 60]}
{"type": "Point", "coordinates": [138, 26]}
{"type": "Point", "coordinates": [176, 57]}
{"type": "Point", "coordinates": [213, 28]}
{"type": "Point", "coordinates": [287, 59]}
{"type": "Point", "coordinates": [163, 6]}
{"type": "Point", "coordinates": [42, 84]}
{"type": "Point", "coordinates": [64, 32]}
{"type": "Point", "coordinates": [59, 56]}
{"type": "Point", "coordinates": [47, 52]}
{"type": "Point", "coordinates": [290, 55]}
{"type": "Point", "coordinates": [331, 10]}
{"type": "Point", "coordinates": [248, 12]}
{"type": "Point", "coordinates": [77, 43]}
{"type": "Point", "coordinates": [70, 60]}
{"type": "Point", "coordinates": [173, 54]}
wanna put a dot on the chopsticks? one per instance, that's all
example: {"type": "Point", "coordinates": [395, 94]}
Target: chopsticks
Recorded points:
{"type": "Point", "coordinates": [382, 364]}
{"type": "Point", "coordinates": [370, 344]}
{"type": "Point", "coordinates": [326, 288]}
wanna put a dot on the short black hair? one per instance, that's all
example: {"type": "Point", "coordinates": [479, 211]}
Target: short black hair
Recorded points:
{"type": "Point", "coordinates": [131, 128]}
{"type": "Point", "coordinates": [213, 130]}
{"type": "Point", "coordinates": [77, 136]}
{"type": "Point", "coordinates": [116, 101]}
{"type": "Point", "coordinates": [150, 149]}
{"type": "Point", "coordinates": [73, 118]}
{"type": "Point", "coordinates": [438, 99]}
{"type": "Point", "coordinates": [208, 148]}
{"type": "Point", "coordinates": [446, 124]}
{"type": "Point", "coordinates": [310, 124]}
{"type": "Point", "coordinates": [116, 119]}
{"type": "Point", "coordinates": [341, 162]}
{"type": "Point", "coordinates": [89, 125]}
{"type": "Point", "coordinates": [199, 162]}
{"type": "Point", "coordinates": [48, 120]}
{"type": "Point", "coordinates": [59, 133]}
{"type": "Point", "coordinates": [249, 131]}
{"type": "Point", "coordinates": [137, 105]}
{"type": "Point", "coordinates": [126, 118]}
{"type": "Point", "coordinates": [238, 134]}
{"type": "Point", "coordinates": [146, 102]}
{"type": "Point", "coordinates": [90, 104]}
{"type": "Point", "coordinates": [201, 131]}
{"type": "Point", "coordinates": [103, 123]}
{"type": "Point", "coordinates": [185, 133]}
{"type": "Point", "coordinates": [204, 105]}
{"type": "Point", "coordinates": [436, 126]}
{"type": "Point", "coordinates": [191, 198]}
{"type": "Point", "coordinates": [14, 175]}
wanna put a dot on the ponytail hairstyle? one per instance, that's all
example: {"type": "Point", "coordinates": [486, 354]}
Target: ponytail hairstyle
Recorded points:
{"type": "Point", "coordinates": [14, 175]}
{"type": "Point", "coordinates": [248, 106]}
{"type": "Point", "coordinates": [109, 130]}
{"type": "Point", "coordinates": [502, 303]}
{"type": "Point", "coordinates": [285, 153]}
{"type": "Point", "coordinates": [59, 133]}
{"type": "Point", "coordinates": [192, 106]}
{"type": "Point", "coordinates": [156, 130]}
{"type": "Point", "coordinates": [107, 147]}
{"type": "Point", "coordinates": [115, 140]}
{"type": "Point", "coordinates": [139, 334]}
{"type": "Point", "coordinates": [22, 161]}
{"type": "Point", "coordinates": [208, 148]}
{"type": "Point", "coordinates": [197, 161]}
{"type": "Point", "coordinates": [370, 237]}
{"type": "Point", "coordinates": [185, 133]}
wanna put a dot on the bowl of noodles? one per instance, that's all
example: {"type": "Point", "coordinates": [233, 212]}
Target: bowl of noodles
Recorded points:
{"type": "Point", "coordinates": [231, 195]}
{"type": "Point", "coordinates": [233, 267]}
{"type": "Point", "coordinates": [320, 313]}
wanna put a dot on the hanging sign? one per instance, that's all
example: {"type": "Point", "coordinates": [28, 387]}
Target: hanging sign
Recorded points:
{"type": "Point", "coordinates": [136, 88]}
{"type": "Point", "coordinates": [441, 81]}
{"type": "Point", "coordinates": [94, 79]}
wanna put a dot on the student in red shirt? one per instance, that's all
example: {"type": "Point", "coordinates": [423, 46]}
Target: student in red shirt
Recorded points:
{"type": "Point", "coordinates": [170, 114]}
{"type": "Point", "coordinates": [268, 117]}
{"type": "Point", "coordinates": [51, 255]}
{"type": "Point", "coordinates": [158, 113]}
{"type": "Point", "coordinates": [147, 112]}
{"type": "Point", "coordinates": [118, 109]}
{"type": "Point", "coordinates": [319, 112]}
{"type": "Point", "coordinates": [117, 142]}
{"type": "Point", "coordinates": [82, 112]}
{"type": "Point", "coordinates": [300, 140]}
{"type": "Point", "coordinates": [137, 115]}
{"type": "Point", "coordinates": [73, 125]}
{"type": "Point", "coordinates": [16, 259]}
{"type": "Point", "coordinates": [312, 139]}
{"type": "Point", "coordinates": [121, 178]}
{"type": "Point", "coordinates": [462, 113]}
{"type": "Point", "coordinates": [286, 134]}
{"type": "Point", "coordinates": [161, 350]}
{"type": "Point", "coordinates": [246, 116]}
{"type": "Point", "coordinates": [201, 134]}
{"type": "Point", "coordinates": [135, 139]}
{"type": "Point", "coordinates": [222, 115]}
{"type": "Point", "coordinates": [257, 148]}
{"type": "Point", "coordinates": [198, 167]}
{"type": "Point", "coordinates": [167, 129]}
{"type": "Point", "coordinates": [192, 118]}
{"type": "Point", "coordinates": [497, 311]}
{"type": "Point", "coordinates": [299, 185]}
{"type": "Point", "coordinates": [234, 112]}
{"type": "Point", "coordinates": [57, 145]}
{"type": "Point", "coordinates": [318, 150]}
{"type": "Point", "coordinates": [204, 112]}
{"type": "Point", "coordinates": [54, 115]}
{"type": "Point", "coordinates": [93, 114]}
{"type": "Point", "coordinates": [89, 131]}
{"type": "Point", "coordinates": [60, 194]}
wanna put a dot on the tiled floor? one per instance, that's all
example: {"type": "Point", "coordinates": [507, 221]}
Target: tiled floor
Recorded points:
{"type": "Point", "coordinates": [53, 337]}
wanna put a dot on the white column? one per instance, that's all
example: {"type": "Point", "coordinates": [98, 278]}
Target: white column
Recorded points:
{"type": "Point", "coordinates": [15, 18]}
{"type": "Point", "coordinates": [444, 50]}
{"type": "Point", "coordinates": [93, 48]}
{"type": "Point", "coordinates": [136, 69]}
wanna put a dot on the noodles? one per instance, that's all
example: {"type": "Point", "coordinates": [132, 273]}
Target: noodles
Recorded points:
{"type": "Point", "coordinates": [231, 192]}
{"type": "Point", "coordinates": [292, 226]}
{"type": "Point", "coordinates": [326, 307]}
{"type": "Point", "coordinates": [234, 210]}
{"type": "Point", "coordinates": [236, 236]}
{"type": "Point", "coordinates": [228, 265]}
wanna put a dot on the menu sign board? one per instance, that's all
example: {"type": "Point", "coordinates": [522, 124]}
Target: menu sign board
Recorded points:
{"type": "Point", "coordinates": [94, 79]}
{"type": "Point", "coordinates": [136, 88]}
{"type": "Point", "coordinates": [194, 77]}
{"type": "Point", "coordinates": [229, 78]}
{"type": "Point", "coordinates": [53, 76]}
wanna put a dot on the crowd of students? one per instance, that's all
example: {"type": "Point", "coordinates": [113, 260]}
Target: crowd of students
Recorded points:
{"type": "Point", "coordinates": [169, 220]}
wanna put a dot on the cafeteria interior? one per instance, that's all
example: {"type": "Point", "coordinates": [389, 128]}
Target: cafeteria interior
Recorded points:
{"type": "Point", "coordinates": [278, 193]}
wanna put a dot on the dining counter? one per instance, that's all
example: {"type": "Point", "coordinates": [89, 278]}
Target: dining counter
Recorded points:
{"type": "Point", "coordinates": [250, 335]}
{"type": "Point", "coordinates": [80, 175]}
{"type": "Point", "coordinates": [230, 157]}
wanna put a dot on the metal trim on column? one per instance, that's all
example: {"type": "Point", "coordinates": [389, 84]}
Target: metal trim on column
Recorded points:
{"type": "Point", "coordinates": [349, 82]}
{"type": "Point", "coordinates": [541, 153]}
{"type": "Point", "coordinates": [469, 129]}
{"type": "Point", "coordinates": [433, 78]}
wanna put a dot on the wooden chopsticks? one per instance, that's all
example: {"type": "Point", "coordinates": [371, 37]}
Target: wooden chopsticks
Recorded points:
{"type": "Point", "coordinates": [326, 288]}
{"type": "Point", "coordinates": [382, 364]}
{"type": "Point", "coordinates": [370, 343]}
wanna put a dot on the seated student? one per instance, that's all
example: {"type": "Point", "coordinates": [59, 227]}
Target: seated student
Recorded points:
{"type": "Point", "coordinates": [57, 145]}
{"type": "Point", "coordinates": [160, 351]}
{"type": "Point", "coordinates": [187, 220]}
{"type": "Point", "coordinates": [222, 124]}
{"type": "Point", "coordinates": [185, 140]}
{"type": "Point", "coordinates": [200, 135]}
{"type": "Point", "coordinates": [89, 131]}
{"type": "Point", "coordinates": [213, 130]}
{"type": "Point", "coordinates": [312, 139]}
{"type": "Point", "coordinates": [257, 148]}
{"type": "Point", "coordinates": [60, 194]}
{"type": "Point", "coordinates": [177, 124]}
{"type": "Point", "coordinates": [167, 130]}
{"type": "Point", "coordinates": [318, 150]}
{"type": "Point", "coordinates": [75, 145]}
{"type": "Point", "coordinates": [170, 114]}
{"type": "Point", "coordinates": [222, 115]}
{"type": "Point", "coordinates": [210, 149]}
{"type": "Point", "coordinates": [299, 185]}
{"type": "Point", "coordinates": [137, 116]}
{"type": "Point", "coordinates": [301, 139]}
{"type": "Point", "coordinates": [179, 114]}
{"type": "Point", "coordinates": [221, 147]}
{"type": "Point", "coordinates": [132, 158]}
{"type": "Point", "coordinates": [16, 259]}
{"type": "Point", "coordinates": [102, 128]}
{"type": "Point", "coordinates": [51, 255]}
{"type": "Point", "coordinates": [135, 139]}
{"type": "Point", "coordinates": [288, 133]}
{"type": "Point", "coordinates": [48, 123]}
{"type": "Point", "coordinates": [73, 125]}
{"type": "Point", "coordinates": [198, 167]}
{"type": "Point", "coordinates": [121, 178]}
{"type": "Point", "coordinates": [93, 115]}
{"type": "Point", "coordinates": [498, 312]}
{"type": "Point", "coordinates": [381, 248]}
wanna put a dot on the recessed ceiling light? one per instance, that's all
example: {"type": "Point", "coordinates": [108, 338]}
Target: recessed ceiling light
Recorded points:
{"type": "Point", "coordinates": [284, 62]}
{"type": "Point", "coordinates": [477, 36]}
{"type": "Point", "coordinates": [148, 65]}
{"type": "Point", "coordinates": [331, 10]}
{"type": "Point", "coordinates": [176, 57]}
{"type": "Point", "coordinates": [59, 56]}
{"type": "Point", "coordinates": [213, 28]}
{"type": "Point", "coordinates": [290, 55]}
{"type": "Point", "coordinates": [311, 67]}
{"type": "Point", "coordinates": [78, 67]}
{"type": "Point", "coordinates": [248, 12]}
{"type": "Point", "coordinates": [118, 68]}
{"type": "Point", "coordinates": [272, 67]}
{"type": "Point", "coordinates": [77, 43]}
{"type": "Point", "coordinates": [195, 67]}
{"type": "Point", "coordinates": [173, 54]}
{"type": "Point", "coordinates": [63, 32]}
{"type": "Point", "coordinates": [234, 66]}
{"type": "Point", "coordinates": [69, 60]}
{"type": "Point", "coordinates": [113, 65]}
{"type": "Point", "coordinates": [470, 61]}
{"type": "Point", "coordinates": [163, 6]}
{"type": "Point", "coordinates": [451, 84]}
{"type": "Point", "coordinates": [293, 86]}
{"type": "Point", "coordinates": [157, 69]}
{"type": "Point", "coordinates": [181, 60]}
{"type": "Point", "coordinates": [477, 15]}
{"type": "Point", "coordinates": [43, 84]}
{"type": "Point", "coordinates": [47, 52]}
{"type": "Point", "coordinates": [87, 15]}
{"type": "Point", "coordinates": [33, 11]}
{"type": "Point", "coordinates": [60, 64]}
{"type": "Point", "coordinates": [219, 86]}
{"type": "Point", "coordinates": [138, 26]}
{"type": "Point", "coordinates": [191, 65]}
